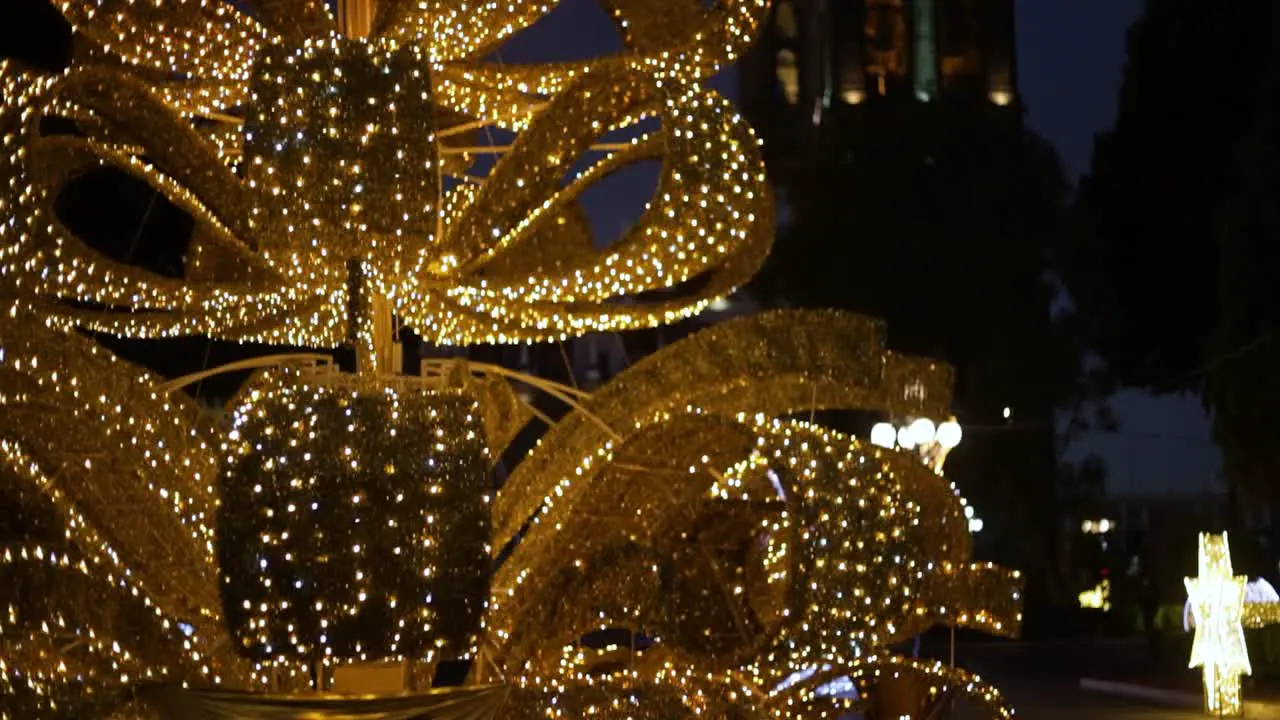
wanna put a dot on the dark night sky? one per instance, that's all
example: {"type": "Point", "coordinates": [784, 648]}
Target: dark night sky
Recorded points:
{"type": "Point", "coordinates": [1071, 56]}
{"type": "Point", "coordinates": [1070, 59]}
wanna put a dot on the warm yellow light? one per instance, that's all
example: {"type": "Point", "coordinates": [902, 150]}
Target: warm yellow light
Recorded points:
{"type": "Point", "coordinates": [1097, 597]}
{"type": "Point", "coordinates": [884, 435]}
{"type": "Point", "coordinates": [950, 434]}
{"type": "Point", "coordinates": [301, 153]}
{"type": "Point", "coordinates": [853, 97]}
{"type": "Point", "coordinates": [1217, 606]}
{"type": "Point", "coordinates": [332, 181]}
{"type": "Point", "coordinates": [1097, 527]}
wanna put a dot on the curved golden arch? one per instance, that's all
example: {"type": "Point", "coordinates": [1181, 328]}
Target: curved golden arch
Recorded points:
{"type": "Point", "coordinates": [129, 42]}
{"type": "Point", "coordinates": [773, 363]}
{"type": "Point", "coordinates": [922, 525]}
{"type": "Point", "coordinates": [529, 590]}
{"type": "Point", "coordinates": [188, 591]}
{"type": "Point", "coordinates": [523, 175]}
{"type": "Point", "coordinates": [526, 595]}
{"type": "Point", "coordinates": [519, 604]}
{"type": "Point", "coordinates": [645, 148]}
{"type": "Point", "coordinates": [631, 251]}
{"type": "Point", "coordinates": [717, 38]}
{"type": "Point", "coordinates": [958, 680]}
{"type": "Point", "coordinates": [264, 361]}
{"type": "Point", "coordinates": [482, 306]}
{"type": "Point", "coordinates": [93, 597]}
{"type": "Point", "coordinates": [63, 157]}
{"type": "Point", "coordinates": [80, 414]}
{"type": "Point", "coordinates": [90, 152]}
{"type": "Point", "coordinates": [470, 311]}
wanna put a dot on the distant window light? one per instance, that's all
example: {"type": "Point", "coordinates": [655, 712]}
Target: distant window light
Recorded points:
{"type": "Point", "coordinates": [1001, 97]}
{"type": "Point", "coordinates": [1098, 527]}
{"type": "Point", "coordinates": [788, 76]}
{"type": "Point", "coordinates": [853, 96]}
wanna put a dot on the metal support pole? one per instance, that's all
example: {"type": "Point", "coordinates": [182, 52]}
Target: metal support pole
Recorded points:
{"type": "Point", "coordinates": [953, 644]}
{"type": "Point", "coordinates": [355, 17]}
{"type": "Point", "coordinates": [951, 698]}
{"type": "Point", "coordinates": [370, 325]}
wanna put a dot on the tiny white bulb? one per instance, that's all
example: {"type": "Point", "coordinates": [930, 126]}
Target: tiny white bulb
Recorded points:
{"type": "Point", "coordinates": [949, 434]}
{"type": "Point", "coordinates": [883, 435]}
{"type": "Point", "coordinates": [922, 431]}
{"type": "Point", "coordinates": [904, 438]}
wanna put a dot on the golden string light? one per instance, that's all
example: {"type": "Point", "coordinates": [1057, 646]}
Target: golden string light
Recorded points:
{"type": "Point", "coordinates": [113, 482]}
{"type": "Point", "coordinates": [880, 554]}
{"type": "Point", "coordinates": [340, 169]}
{"type": "Point", "coordinates": [776, 363]}
{"type": "Point", "coordinates": [354, 522]}
{"type": "Point", "coordinates": [75, 637]}
{"type": "Point", "coordinates": [332, 181]}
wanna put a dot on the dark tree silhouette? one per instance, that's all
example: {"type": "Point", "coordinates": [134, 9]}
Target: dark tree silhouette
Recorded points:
{"type": "Point", "coordinates": [1173, 256]}
{"type": "Point", "coordinates": [1243, 389]}
{"type": "Point", "coordinates": [940, 220]}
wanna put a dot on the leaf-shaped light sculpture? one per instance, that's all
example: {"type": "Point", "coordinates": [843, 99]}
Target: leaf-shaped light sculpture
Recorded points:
{"type": "Point", "coordinates": [109, 485]}
{"type": "Point", "coordinates": [328, 189]}
{"type": "Point", "coordinates": [674, 500]}
{"type": "Point", "coordinates": [331, 182]}
{"type": "Point", "coordinates": [747, 544]}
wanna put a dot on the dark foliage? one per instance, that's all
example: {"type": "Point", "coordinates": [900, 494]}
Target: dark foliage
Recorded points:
{"type": "Point", "coordinates": [941, 221]}
{"type": "Point", "coordinates": [1172, 259]}
{"type": "Point", "coordinates": [1143, 265]}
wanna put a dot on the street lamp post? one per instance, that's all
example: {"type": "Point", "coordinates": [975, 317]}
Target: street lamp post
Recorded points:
{"type": "Point", "coordinates": [932, 442]}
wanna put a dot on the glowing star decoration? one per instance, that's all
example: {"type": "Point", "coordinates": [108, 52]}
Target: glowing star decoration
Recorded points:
{"type": "Point", "coordinates": [1217, 607]}
{"type": "Point", "coordinates": [1261, 606]}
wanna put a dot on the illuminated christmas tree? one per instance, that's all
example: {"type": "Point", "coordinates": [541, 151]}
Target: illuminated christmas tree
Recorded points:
{"type": "Point", "coordinates": [758, 566]}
